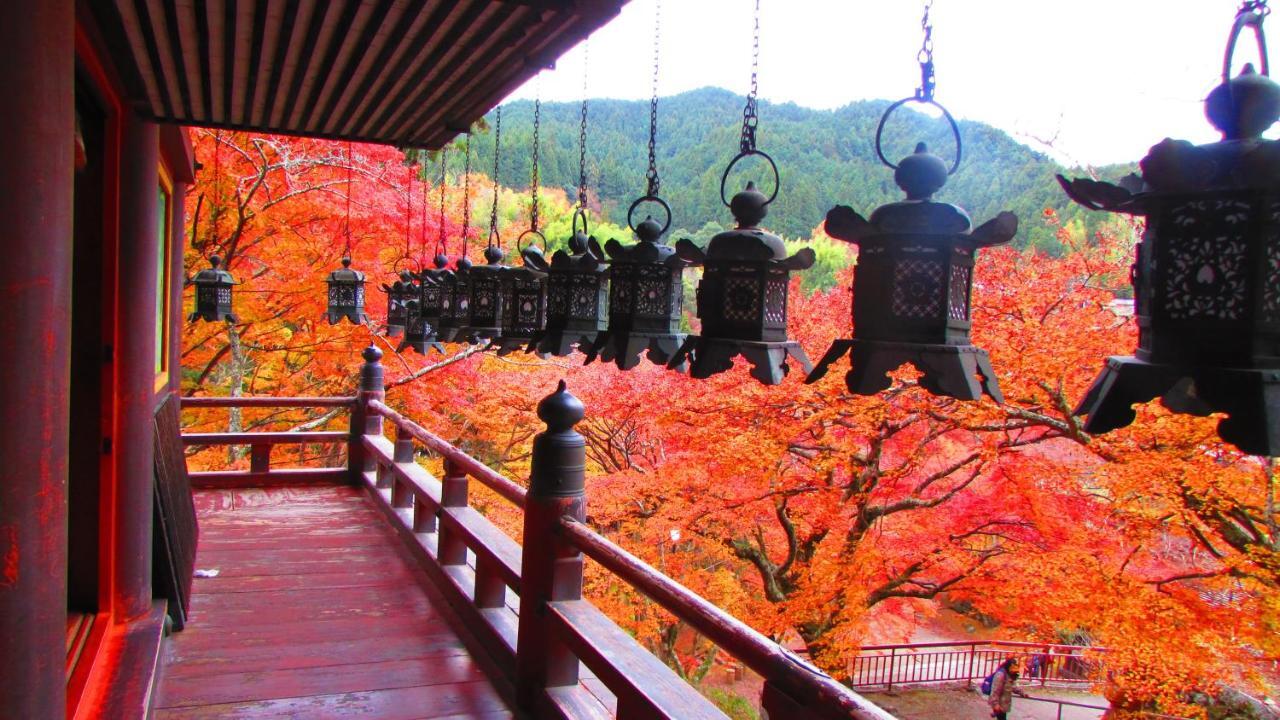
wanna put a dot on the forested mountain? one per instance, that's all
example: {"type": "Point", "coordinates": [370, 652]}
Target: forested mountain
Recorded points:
{"type": "Point", "coordinates": [825, 157]}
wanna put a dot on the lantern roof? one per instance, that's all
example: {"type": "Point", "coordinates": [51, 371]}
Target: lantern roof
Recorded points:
{"type": "Point", "coordinates": [345, 274]}
{"type": "Point", "coordinates": [214, 273]}
{"type": "Point", "coordinates": [649, 249]}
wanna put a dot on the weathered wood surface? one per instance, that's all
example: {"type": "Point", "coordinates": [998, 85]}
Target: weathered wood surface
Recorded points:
{"type": "Point", "coordinates": [316, 611]}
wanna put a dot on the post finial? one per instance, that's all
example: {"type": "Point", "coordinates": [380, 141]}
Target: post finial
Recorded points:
{"type": "Point", "coordinates": [371, 354]}
{"type": "Point", "coordinates": [561, 410]}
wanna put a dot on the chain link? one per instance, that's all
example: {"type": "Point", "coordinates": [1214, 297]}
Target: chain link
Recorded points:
{"type": "Point", "coordinates": [422, 230]}
{"type": "Point", "coordinates": [497, 150]}
{"type": "Point", "coordinates": [466, 192]}
{"type": "Point", "coordinates": [347, 223]}
{"type": "Point", "coordinates": [533, 191]}
{"type": "Point", "coordinates": [582, 135]}
{"type": "Point", "coordinates": [928, 82]}
{"type": "Point", "coordinates": [750, 114]}
{"type": "Point", "coordinates": [444, 157]}
{"type": "Point", "coordinates": [654, 183]}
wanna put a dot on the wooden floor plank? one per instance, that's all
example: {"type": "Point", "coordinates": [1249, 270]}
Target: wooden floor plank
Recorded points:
{"type": "Point", "coordinates": [469, 701]}
{"type": "Point", "coordinates": [329, 679]}
{"type": "Point", "coordinates": [307, 606]}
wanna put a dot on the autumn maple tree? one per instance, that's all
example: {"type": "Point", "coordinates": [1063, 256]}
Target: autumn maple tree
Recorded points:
{"type": "Point", "coordinates": [803, 509]}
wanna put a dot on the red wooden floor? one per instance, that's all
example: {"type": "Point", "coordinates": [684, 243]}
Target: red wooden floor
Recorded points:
{"type": "Point", "coordinates": [315, 612]}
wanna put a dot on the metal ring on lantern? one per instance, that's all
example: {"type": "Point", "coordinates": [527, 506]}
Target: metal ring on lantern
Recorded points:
{"type": "Point", "coordinates": [1252, 19]}
{"type": "Point", "coordinates": [579, 213]}
{"type": "Point", "coordinates": [955, 129]}
{"type": "Point", "coordinates": [777, 178]}
{"type": "Point", "coordinates": [526, 234]}
{"type": "Point", "coordinates": [648, 198]}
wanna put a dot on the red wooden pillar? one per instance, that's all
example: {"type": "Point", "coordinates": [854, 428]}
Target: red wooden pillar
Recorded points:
{"type": "Point", "coordinates": [133, 442]}
{"type": "Point", "coordinates": [364, 422]}
{"type": "Point", "coordinates": [551, 568]}
{"type": "Point", "coordinates": [37, 130]}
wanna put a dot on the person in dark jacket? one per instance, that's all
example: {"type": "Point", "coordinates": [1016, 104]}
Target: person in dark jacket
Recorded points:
{"type": "Point", "coordinates": [1003, 690]}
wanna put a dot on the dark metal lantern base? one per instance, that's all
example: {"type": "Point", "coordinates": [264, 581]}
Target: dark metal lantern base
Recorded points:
{"type": "Point", "coordinates": [959, 371]}
{"type": "Point", "coordinates": [1249, 397]}
{"type": "Point", "coordinates": [709, 356]}
{"type": "Point", "coordinates": [624, 349]}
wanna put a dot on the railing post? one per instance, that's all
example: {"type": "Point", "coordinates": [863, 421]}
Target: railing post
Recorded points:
{"type": "Point", "coordinates": [260, 458]}
{"type": "Point", "coordinates": [452, 549]}
{"type": "Point", "coordinates": [973, 653]}
{"type": "Point", "coordinates": [551, 568]}
{"type": "Point", "coordinates": [893, 656]}
{"type": "Point", "coordinates": [364, 422]}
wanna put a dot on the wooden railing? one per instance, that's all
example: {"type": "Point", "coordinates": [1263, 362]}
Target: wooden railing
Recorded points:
{"type": "Point", "coordinates": [924, 663]}
{"type": "Point", "coordinates": [261, 443]}
{"type": "Point", "coordinates": [562, 657]}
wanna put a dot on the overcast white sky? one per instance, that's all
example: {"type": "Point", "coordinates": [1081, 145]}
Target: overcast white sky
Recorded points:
{"type": "Point", "coordinates": [1104, 79]}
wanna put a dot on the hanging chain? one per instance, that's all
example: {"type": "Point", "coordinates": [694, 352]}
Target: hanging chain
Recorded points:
{"type": "Point", "coordinates": [408, 215]}
{"type": "Point", "coordinates": [654, 183]}
{"type": "Point", "coordinates": [347, 222]}
{"type": "Point", "coordinates": [928, 83]}
{"type": "Point", "coordinates": [582, 135]}
{"type": "Point", "coordinates": [497, 150]}
{"type": "Point", "coordinates": [444, 156]}
{"type": "Point", "coordinates": [466, 192]}
{"type": "Point", "coordinates": [750, 114]}
{"type": "Point", "coordinates": [422, 229]}
{"type": "Point", "coordinates": [533, 191]}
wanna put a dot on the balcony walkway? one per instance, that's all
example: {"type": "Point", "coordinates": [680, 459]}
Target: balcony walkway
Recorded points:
{"type": "Point", "coordinates": [316, 611]}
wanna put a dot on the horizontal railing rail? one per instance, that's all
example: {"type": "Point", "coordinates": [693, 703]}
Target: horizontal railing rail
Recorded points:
{"type": "Point", "coordinates": [495, 481]}
{"type": "Point", "coordinates": [940, 662]}
{"type": "Point", "coordinates": [259, 401]}
{"type": "Point", "coordinates": [1138, 715]}
{"type": "Point", "coordinates": [780, 667]}
{"type": "Point", "coordinates": [261, 443]}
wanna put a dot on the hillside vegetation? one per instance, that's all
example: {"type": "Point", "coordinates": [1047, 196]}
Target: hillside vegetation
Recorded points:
{"type": "Point", "coordinates": [826, 157]}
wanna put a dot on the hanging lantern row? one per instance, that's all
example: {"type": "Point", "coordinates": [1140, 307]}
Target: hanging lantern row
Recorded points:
{"type": "Point", "coordinates": [914, 276]}
{"type": "Point", "coordinates": [1205, 276]}
{"type": "Point", "coordinates": [1206, 279]}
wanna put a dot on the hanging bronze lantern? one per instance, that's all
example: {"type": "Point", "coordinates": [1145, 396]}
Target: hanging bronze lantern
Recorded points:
{"type": "Point", "coordinates": [455, 303]}
{"type": "Point", "coordinates": [213, 293]}
{"type": "Point", "coordinates": [524, 304]}
{"type": "Point", "coordinates": [914, 277]}
{"type": "Point", "coordinates": [577, 293]}
{"type": "Point", "coordinates": [486, 295]}
{"type": "Point", "coordinates": [523, 289]}
{"type": "Point", "coordinates": [646, 292]}
{"type": "Point", "coordinates": [399, 293]}
{"type": "Point", "coordinates": [912, 286]}
{"type": "Point", "coordinates": [435, 288]}
{"type": "Point", "coordinates": [1207, 275]}
{"type": "Point", "coordinates": [646, 296]}
{"type": "Point", "coordinates": [742, 297]}
{"type": "Point", "coordinates": [346, 295]}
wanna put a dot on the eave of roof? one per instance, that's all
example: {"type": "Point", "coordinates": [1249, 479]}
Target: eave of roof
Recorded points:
{"type": "Point", "coordinates": [412, 73]}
